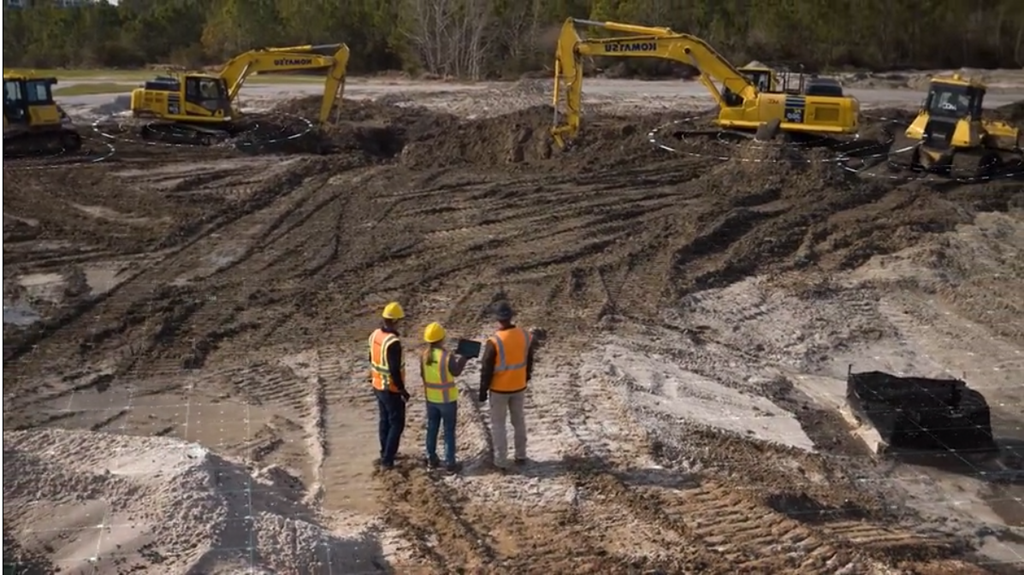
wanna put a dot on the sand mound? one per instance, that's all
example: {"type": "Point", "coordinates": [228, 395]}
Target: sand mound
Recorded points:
{"type": "Point", "coordinates": [116, 503]}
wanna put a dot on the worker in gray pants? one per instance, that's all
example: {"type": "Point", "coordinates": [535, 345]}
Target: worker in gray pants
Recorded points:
{"type": "Point", "coordinates": [506, 367]}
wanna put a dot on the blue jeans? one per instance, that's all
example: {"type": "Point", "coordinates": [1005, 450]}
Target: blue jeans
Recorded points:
{"type": "Point", "coordinates": [390, 425]}
{"type": "Point", "coordinates": [436, 414]}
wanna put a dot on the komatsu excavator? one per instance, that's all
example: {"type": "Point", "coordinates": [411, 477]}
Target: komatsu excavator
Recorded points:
{"type": "Point", "coordinates": [33, 122]}
{"type": "Point", "coordinates": [951, 137]}
{"type": "Point", "coordinates": [748, 99]}
{"type": "Point", "coordinates": [198, 108]}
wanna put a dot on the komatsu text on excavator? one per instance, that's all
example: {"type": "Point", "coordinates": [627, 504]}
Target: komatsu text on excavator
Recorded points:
{"type": "Point", "coordinates": [951, 137]}
{"type": "Point", "coordinates": [198, 108]}
{"type": "Point", "coordinates": [748, 99]}
{"type": "Point", "coordinates": [33, 122]}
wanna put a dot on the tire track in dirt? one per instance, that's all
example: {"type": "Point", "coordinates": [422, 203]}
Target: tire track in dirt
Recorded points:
{"type": "Point", "coordinates": [734, 521]}
{"type": "Point", "coordinates": [130, 305]}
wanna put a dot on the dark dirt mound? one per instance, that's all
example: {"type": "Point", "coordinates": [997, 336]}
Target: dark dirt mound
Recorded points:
{"type": "Point", "coordinates": [375, 131]}
{"type": "Point", "coordinates": [421, 138]}
{"type": "Point", "coordinates": [1011, 112]}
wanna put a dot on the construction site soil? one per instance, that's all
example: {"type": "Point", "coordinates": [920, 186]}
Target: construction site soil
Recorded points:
{"type": "Point", "coordinates": [222, 296]}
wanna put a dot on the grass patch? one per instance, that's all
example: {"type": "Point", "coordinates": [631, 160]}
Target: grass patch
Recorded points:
{"type": "Point", "coordinates": [284, 79]}
{"type": "Point", "coordinates": [100, 74]}
{"type": "Point", "coordinates": [90, 88]}
{"type": "Point", "coordinates": [88, 73]}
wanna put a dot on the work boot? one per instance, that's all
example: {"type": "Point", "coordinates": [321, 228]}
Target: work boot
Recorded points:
{"type": "Point", "coordinates": [453, 467]}
{"type": "Point", "coordinates": [433, 462]}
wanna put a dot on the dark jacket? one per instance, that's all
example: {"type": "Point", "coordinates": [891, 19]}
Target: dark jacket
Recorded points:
{"type": "Point", "coordinates": [394, 357]}
{"type": "Point", "coordinates": [456, 364]}
{"type": "Point", "coordinates": [488, 359]}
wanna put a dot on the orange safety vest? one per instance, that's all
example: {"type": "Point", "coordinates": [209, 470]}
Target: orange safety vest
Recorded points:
{"type": "Point", "coordinates": [380, 371]}
{"type": "Point", "coordinates": [512, 346]}
{"type": "Point", "coordinates": [438, 382]}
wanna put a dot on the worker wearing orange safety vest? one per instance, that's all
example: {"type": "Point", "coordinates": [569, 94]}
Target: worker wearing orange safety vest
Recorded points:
{"type": "Point", "coordinates": [438, 370]}
{"type": "Point", "coordinates": [387, 374]}
{"type": "Point", "coordinates": [505, 368]}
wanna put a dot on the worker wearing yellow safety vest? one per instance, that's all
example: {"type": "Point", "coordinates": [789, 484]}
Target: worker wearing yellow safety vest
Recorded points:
{"type": "Point", "coordinates": [438, 369]}
{"type": "Point", "coordinates": [505, 369]}
{"type": "Point", "coordinates": [387, 374]}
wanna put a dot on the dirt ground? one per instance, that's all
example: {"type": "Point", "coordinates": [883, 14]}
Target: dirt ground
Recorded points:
{"type": "Point", "coordinates": [184, 351]}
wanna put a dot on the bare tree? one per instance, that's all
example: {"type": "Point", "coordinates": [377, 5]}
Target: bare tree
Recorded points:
{"type": "Point", "coordinates": [450, 36]}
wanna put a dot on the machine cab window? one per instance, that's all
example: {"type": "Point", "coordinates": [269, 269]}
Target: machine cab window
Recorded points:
{"type": "Point", "coordinates": [12, 92]}
{"type": "Point", "coordinates": [761, 79]}
{"type": "Point", "coordinates": [14, 99]}
{"type": "Point", "coordinates": [201, 89]}
{"type": "Point", "coordinates": [39, 91]}
{"type": "Point", "coordinates": [952, 101]}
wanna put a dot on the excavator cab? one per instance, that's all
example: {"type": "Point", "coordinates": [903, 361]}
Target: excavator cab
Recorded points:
{"type": "Point", "coordinates": [764, 79]}
{"type": "Point", "coordinates": [208, 92]}
{"type": "Point", "coordinates": [192, 97]}
{"type": "Point", "coordinates": [33, 122]}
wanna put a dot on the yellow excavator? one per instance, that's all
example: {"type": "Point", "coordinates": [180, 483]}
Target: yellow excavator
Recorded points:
{"type": "Point", "coordinates": [197, 108]}
{"type": "Point", "coordinates": [33, 122]}
{"type": "Point", "coordinates": [951, 137]}
{"type": "Point", "coordinates": [747, 100]}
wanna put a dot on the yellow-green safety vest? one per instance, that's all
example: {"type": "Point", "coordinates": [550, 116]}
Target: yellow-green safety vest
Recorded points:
{"type": "Point", "coordinates": [438, 381]}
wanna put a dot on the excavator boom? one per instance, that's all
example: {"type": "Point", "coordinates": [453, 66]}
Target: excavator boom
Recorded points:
{"type": "Point", "coordinates": [740, 103]}
{"type": "Point", "coordinates": [332, 57]}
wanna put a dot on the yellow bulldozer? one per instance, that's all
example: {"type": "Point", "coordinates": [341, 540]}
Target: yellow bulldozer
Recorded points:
{"type": "Point", "coordinates": [749, 99]}
{"type": "Point", "coordinates": [951, 137]}
{"type": "Point", "coordinates": [197, 108]}
{"type": "Point", "coordinates": [33, 122]}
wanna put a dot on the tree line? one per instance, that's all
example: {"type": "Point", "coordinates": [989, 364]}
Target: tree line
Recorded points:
{"type": "Point", "coordinates": [480, 39]}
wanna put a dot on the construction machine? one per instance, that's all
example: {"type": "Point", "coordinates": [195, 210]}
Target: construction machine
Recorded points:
{"type": "Point", "coordinates": [33, 122]}
{"type": "Point", "coordinates": [748, 100]}
{"type": "Point", "coordinates": [198, 108]}
{"type": "Point", "coordinates": [951, 137]}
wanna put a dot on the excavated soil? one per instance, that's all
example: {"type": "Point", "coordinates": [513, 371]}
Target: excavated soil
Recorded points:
{"type": "Point", "coordinates": [222, 297]}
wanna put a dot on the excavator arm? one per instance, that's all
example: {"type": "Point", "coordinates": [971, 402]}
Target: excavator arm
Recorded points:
{"type": "Point", "coordinates": [645, 42]}
{"type": "Point", "coordinates": [332, 57]}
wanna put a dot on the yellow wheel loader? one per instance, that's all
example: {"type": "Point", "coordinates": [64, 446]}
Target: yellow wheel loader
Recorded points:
{"type": "Point", "coordinates": [33, 123]}
{"type": "Point", "coordinates": [951, 137]}
{"type": "Point", "coordinates": [749, 99]}
{"type": "Point", "coordinates": [195, 108]}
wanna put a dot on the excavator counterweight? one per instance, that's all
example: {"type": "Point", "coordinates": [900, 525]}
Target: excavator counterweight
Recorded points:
{"type": "Point", "coordinates": [748, 99]}
{"type": "Point", "coordinates": [198, 108]}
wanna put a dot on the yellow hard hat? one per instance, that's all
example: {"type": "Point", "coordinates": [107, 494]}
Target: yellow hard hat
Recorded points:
{"type": "Point", "coordinates": [434, 333]}
{"type": "Point", "coordinates": [393, 311]}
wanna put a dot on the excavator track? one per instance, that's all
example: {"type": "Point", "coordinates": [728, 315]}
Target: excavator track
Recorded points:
{"type": "Point", "coordinates": [186, 134]}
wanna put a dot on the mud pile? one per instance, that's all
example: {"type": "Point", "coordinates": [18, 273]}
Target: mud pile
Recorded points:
{"type": "Point", "coordinates": [371, 130]}
{"type": "Point", "coordinates": [1013, 113]}
{"type": "Point", "coordinates": [421, 139]}
{"type": "Point", "coordinates": [161, 503]}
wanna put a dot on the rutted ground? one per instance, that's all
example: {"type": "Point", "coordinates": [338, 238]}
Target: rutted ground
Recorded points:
{"type": "Point", "coordinates": [699, 317]}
